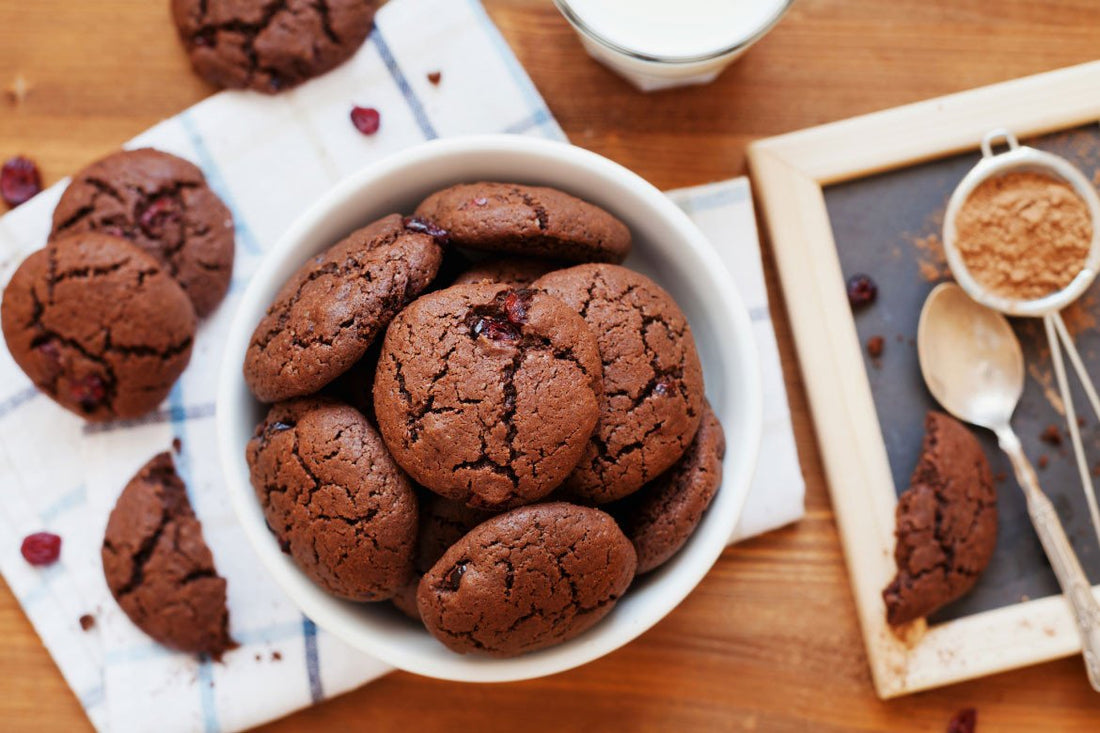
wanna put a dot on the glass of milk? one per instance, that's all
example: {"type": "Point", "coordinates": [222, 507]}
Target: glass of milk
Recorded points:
{"type": "Point", "coordinates": [657, 44]}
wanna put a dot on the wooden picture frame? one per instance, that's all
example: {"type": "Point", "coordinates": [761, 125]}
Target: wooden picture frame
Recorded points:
{"type": "Point", "coordinates": [789, 173]}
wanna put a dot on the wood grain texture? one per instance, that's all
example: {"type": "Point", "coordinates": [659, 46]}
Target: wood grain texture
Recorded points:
{"type": "Point", "coordinates": [769, 641]}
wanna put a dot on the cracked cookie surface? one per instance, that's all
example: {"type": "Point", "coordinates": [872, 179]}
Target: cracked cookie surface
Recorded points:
{"type": "Point", "coordinates": [527, 220]}
{"type": "Point", "coordinates": [442, 523]}
{"type": "Point", "coordinates": [515, 271]}
{"type": "Point", "coordinates": [527, 579]}
{"type": "Point", "coordinates": [653, 381]}
{"type": "Point", "coordinates": [327, 314]}
{"type": "Point", "coordinates": [661, 516]}
{"type": "Point", "coordinates": [162, 204]}
{"type": "Point", "coordinates": [270, 45]}
{"type": "Point", "coordinates": [98, 325]}
{"type": "Point", "coordinates": [159, 568]}
{"type": "Point", "coordinates": [488, 395]}
{"type": "Point", "coordinates": [946, 523]}
{"type": "Point", "coordinates": [334, 499]}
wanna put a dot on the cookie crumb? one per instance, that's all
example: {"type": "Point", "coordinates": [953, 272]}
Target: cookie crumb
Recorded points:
{"type": "Point", "coordinates": [1051, 435]}
{"type": "Point", "coordinates": [276, 656]}
{"type": "Point", "coordinates": [434, 77]}
{"type": "Point", "coordinates": [1044, 461]}
{"type": "Point", "coordinates": [964, 721]}
{"type": "Point", "coordinates": [1000, 477]}
{"type": "Point", "coordinates": [18, 91]}
{"type": "Point", "coordinates": [875, 346]}
{"type": "Point", "coordinates": [257, 656]}
{"type": "Point", "coordinates": [87, 621]}
{"type": "Point", "coordinates": [177, 445]}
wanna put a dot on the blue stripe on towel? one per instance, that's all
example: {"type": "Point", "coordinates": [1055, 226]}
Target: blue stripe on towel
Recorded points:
{"type": "Point", "coordinates": [523, 82]}
{"type": "Point", "coordinates": [19, 398]}
{"type": "Point", "coordinates": [539, 118]}
{"type": "Point", "coordinates": [407, 92]}
{"type": "Point", "coordinates": [206, 691]}
{"type": "Point", "coordinates": [69, 500]}
{"type": "Point", "coordinates": [176, 413]}
{"type": "Point", "coordinates": [217, 182]}
{"type": "Point", "coordinates": [313, 665]}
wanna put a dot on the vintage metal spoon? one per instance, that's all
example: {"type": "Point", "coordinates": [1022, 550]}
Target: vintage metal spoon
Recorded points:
{"type": "Point", "coordinates": [973, 365]}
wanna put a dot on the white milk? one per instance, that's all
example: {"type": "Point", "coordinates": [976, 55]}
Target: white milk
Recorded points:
{"type": "Point", "coordinates": [663, 43]}
{"type": "Point", "coordinates": [676, 29]}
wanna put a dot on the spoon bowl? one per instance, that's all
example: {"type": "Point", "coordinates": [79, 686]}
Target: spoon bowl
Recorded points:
{"type": "Point", "coordinates": [970, 358]}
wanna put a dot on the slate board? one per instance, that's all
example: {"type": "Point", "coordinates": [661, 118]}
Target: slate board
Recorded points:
{"type": "Point", "coordinates": [888, 226]}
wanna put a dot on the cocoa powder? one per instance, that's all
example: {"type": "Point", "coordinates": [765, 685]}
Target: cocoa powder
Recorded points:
{"type": "Point", "coordinates": [1023, 235]}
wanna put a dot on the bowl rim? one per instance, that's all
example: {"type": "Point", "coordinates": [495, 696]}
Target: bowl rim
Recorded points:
{"type": "Point", "coordinates": [592, 645]}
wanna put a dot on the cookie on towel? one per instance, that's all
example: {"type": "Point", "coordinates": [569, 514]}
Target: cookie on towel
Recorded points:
{"type": "Point", "coordinates": [159, 568]}
{"type": "Point", "coordinates": [162, 204]}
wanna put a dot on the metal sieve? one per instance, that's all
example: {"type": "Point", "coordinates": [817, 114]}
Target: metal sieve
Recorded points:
{"type": "Point", "coordinates": [1023, 159]}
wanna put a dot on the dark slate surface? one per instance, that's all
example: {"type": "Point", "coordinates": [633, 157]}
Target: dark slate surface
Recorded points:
{"type": "Point", "coordinates": [880, 224]}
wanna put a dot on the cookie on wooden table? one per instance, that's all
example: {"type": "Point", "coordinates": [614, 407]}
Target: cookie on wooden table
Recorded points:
{"type": "Point", "coordinates": [270, 46]}
{"type": "Point", "coordinates": [162, 204]}
{"type": "Point", "coordinates": [527, 579]}
{"type": "Point", "coordinates": [98, 325]}
{"type": "Point", "coordinates": [653, 381]}
{"type": "Point", "coordinates": [326, 316]}
{"type": "Point", "coordinates": [488, 395]}
{"type": "Point", "coordinates": [531, 221]}
{"type": "Point", "coordinates": [333, 497]}
{"type": "Point", "coordinates": [661, 516]}
{"type": "Point", "coordinates": [946, 523]}
{"type": "Point", "coordinates": [159, 568]}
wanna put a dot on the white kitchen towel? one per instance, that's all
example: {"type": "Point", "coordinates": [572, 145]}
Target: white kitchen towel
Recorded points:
{"type": "Point", "coordinates": [269, 158]}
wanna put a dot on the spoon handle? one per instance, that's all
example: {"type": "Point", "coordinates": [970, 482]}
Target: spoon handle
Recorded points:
{"type": "Point", "coordinates": [1074, 582]}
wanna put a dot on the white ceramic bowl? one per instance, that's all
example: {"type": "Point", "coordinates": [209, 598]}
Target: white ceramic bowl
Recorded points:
{"type": "Point", "coordinates": [667, 246]}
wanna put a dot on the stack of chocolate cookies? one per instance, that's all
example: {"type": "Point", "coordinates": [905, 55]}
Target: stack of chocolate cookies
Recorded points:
{"type": "Point", "coordinates": [103, 320]}
{"type": "Point", "coordinates": [498, 448]}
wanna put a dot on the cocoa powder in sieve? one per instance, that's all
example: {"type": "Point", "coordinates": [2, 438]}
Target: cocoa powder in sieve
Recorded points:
{"type": "Point", "coordinates": [1023, 235]}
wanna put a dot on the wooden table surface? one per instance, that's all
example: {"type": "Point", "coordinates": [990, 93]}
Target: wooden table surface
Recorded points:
{"type": "Point", "coordinates": [769, 641]}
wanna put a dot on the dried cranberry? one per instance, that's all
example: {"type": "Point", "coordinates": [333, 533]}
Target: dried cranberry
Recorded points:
{"type": "Point", "coordinates": [423, 226]}
{"type": "Point", "coordinates": [861, 290]}
{"type": "Point", "coordinates": [1051, 435]}
{"type": "Point", "coordinates": [367, 120]}
{"type": "Point", "coordinates": [19, 180]}
{"type": "Point", "coordinates": [41, 548]}
{"type": "Point", "coordinates": [87, 621]}
{"type": "Point", "coordinates": [454, 577]}
{"type": "Point", "coordinates": [495, 329]}
{"type": "Point", "coordinates": [434, 77]}
{"type": "Point", "coordinates": [965, 721]}
{"type": "Point", "coordinates": [516, 304]}
{"type": "Point", "coordinates": [88, 392]}
{"type": "Point", "coordinates": [160, 212]}
{"type": "Point", "coordinates": [1044, 461]}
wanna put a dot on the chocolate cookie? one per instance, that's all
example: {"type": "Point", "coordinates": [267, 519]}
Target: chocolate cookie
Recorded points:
{"type": "Point", "coordinates": [270, 45]}
{"type": "Point", "coordinates": [334, 498]}
{"type": "Point", "coordinates": [515, 271]}
{"type": "Point", "coordinates": [442, 523]}
{"type": "Point", "coordinates": [526, 580]}
{"type": "Point", "coordinates": [663, 514]}
{"type": "Point", "coordinates": [162, 204]}
{"type": "Point", "coordinates": [527, 220]}
{"type": "Point", "coordinates": [653, 382]}
{"type": "Point", "coordinates": [488, 395]}
{"type": "Point", "coordinates": [159, 568]}
{"type": "Point", "coordinates": [946, 523]}
{"type": "Point", "coordinates": [327, 314]}
{"type": "Point", "coordinates": [98, 325]}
